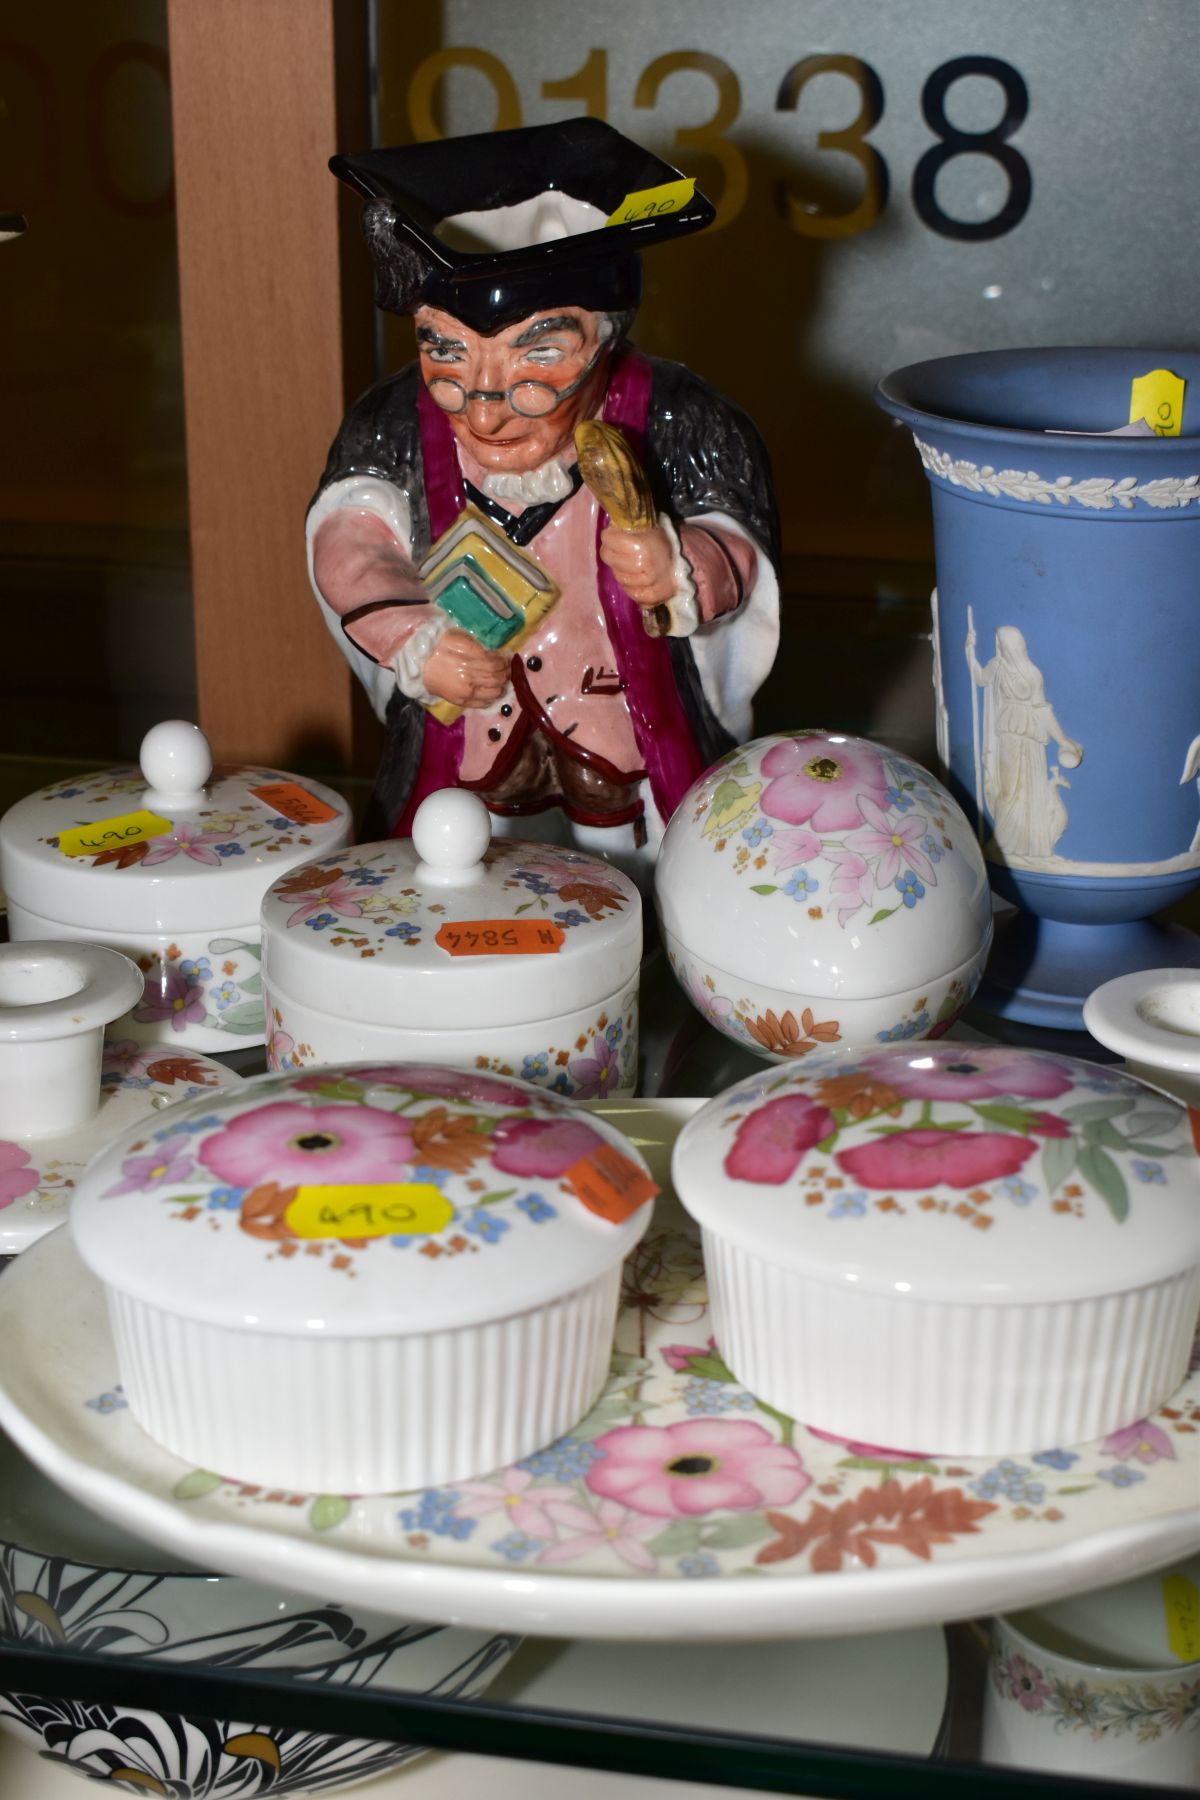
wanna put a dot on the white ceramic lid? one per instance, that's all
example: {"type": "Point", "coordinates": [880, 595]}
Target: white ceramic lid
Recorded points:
{"type": "Point", "coordinates": [951, 1172]}
{"type": "Point", "coordinates": [362, 1201]}
{"type": "Point", "coordinates": [448, 930]}
{"type": "Point", "coordinates": [818, 863]}
{"type": "Point", "coordinates": [173, 846]}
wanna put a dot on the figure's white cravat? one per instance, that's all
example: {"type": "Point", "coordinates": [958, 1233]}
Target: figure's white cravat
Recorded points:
{"type": "Point", "coordinates": [532, 487]}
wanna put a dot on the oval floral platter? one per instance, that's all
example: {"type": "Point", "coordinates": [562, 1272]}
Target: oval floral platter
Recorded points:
{"type": "Point", "coordinates": [679, 1508]}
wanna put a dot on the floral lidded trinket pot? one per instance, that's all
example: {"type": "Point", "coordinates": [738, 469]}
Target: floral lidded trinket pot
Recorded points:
{"type": "Point", "coordinates": [451, 948]}
{"type": "Point", "coordinates": [168, 863]}
{"type": "Point", "coordinates": [819, 890]}
{"type": "Point", "coordinates": [364, 1278]}
{"type": "Point", "coordinates": [967, 1249]}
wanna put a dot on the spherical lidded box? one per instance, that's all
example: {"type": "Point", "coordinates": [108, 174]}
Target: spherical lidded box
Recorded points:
{"type": "Point", "coordinates": [168, 864]}
{"type": "Point", "coordinates": [449, 948]}
{"type": "Point", "coordinates": [816, 889]}
{"type": "Point", "coordinates": [364, 1278]}
{"type": "Point", "coordinates": [950, 1248]}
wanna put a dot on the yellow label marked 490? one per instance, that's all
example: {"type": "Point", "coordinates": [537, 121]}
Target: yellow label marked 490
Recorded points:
{"type": "Point", "coordinates": [111, 834]}
{"type": "Point", "coordinates": [653, 202]}
{"type": "Point", "coordinates": [369, 1209]}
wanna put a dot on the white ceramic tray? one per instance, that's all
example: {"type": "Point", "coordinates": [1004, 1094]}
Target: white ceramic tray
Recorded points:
{"type": "Point", "coordinates": [740, 1526]}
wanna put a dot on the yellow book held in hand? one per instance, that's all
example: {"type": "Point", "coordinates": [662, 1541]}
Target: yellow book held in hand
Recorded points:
{"type": "Point", "coordinates": [488, 586]}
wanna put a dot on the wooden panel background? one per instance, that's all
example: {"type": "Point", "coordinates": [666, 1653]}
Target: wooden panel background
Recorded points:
{"type": "Point", "coordinates": [276, 313]}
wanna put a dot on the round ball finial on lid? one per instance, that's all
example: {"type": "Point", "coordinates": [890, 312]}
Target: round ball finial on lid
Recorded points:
{"type": "Point", "coordinates": [176, 761]}
{"type": "Point", "coordinates": [451, 833]}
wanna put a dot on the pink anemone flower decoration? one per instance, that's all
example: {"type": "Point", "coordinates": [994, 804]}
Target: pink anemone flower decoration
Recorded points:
{"type": "Point", "coordinates": [542, 1147]}
{"type": "Point", "coordinates": [293, 1144]}
{"type": "Point", "coordinates": [771, 1140]}
{"type": "Point", "coordinates": [927, 1158]}
{"type": "Point", "coordinates": [817, 781]}
{"type": "Point", "coordinates": [893, 841]}
{"type": "Point", "coordinates": [697, 1466]}
{"type": "Point", "coordinates": [974, 1072]}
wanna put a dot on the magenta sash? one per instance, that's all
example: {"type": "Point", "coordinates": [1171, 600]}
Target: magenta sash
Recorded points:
{"type": "Point", "coordinates": [661, 727]}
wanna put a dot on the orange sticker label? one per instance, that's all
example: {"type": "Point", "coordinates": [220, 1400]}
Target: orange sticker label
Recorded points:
{"type": "Point", "coordinates": [610, 1184]}
{"type": "Point", "coordinates": [499, 937]}
{"type": "Point", "coordinates": [294, 802]}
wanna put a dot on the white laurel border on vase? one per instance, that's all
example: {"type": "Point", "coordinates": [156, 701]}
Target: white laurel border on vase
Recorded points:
{"type": "Point", "coordinates": [1099, 493]}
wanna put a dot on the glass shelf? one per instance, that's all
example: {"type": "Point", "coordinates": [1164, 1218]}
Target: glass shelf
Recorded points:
{"type": "Point", "coordinates": [896, 1713]}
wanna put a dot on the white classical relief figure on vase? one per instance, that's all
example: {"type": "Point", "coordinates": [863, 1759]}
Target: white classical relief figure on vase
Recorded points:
{"type": "Point", "coordinates": [1021, 787]}
{"type": "Point", "coordinates": [1191, 772]}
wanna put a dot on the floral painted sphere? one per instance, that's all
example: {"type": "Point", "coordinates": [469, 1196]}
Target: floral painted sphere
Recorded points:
{"type": "Point", "coordinates": [819, 890]}
{"type": "Point", "coordinates": [941, 1244]}
{"type": "Point", "coordinates": [363, 1278]}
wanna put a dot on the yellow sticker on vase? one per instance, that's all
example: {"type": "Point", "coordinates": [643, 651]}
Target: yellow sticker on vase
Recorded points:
{"type": "Point", "coordinates": [369, 1209]}
{"type": "Point", "coordinates": [1158, 398]}
{"type": "Point", "coordinates": [653, 202]}
{"type": "Point", "coordinates": [113, 834]}
{"type": "Point", "coordinates": [1181, 1604]}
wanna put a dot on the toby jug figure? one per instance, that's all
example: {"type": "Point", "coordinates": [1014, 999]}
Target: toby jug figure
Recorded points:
{"type": "Point", "coordinates": [576, 643]}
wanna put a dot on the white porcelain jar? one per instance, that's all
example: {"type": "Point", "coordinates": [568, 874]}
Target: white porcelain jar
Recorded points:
{"type": "Point", "coordinates": [819, 893]}
{"type": "Point", "coordinates": [168, 863]}
{"type": "Point", "coordinates": [364, 1279]}
{"type": "Point", "coordinates": [950, 1248]}
{"type": "Point", "coordinates": [516, 957]}
{"type": "Point", "coordinates": [64, 1092]}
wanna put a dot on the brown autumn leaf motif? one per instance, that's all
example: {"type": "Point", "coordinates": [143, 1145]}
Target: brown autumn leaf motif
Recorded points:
{"type": "Point", "coordinates": [448, 1141]}
{"type": "Point", "coordinates": [593, 896]}
{"type": "Point", "coordinates": [914, 1518]}
{"type": "Point", "coordinates": [124, 857]}
{"type": "Point", "coordinates": [784, 1037]}
{"type": "Point", "coordinates": [307, 881]}
{"type": "Point", "coordinates": [264, 1211]}
{"type": "Point", "coordinates": [181, 1068]}
{"type": "Point", "coordinates": [859, 1094]}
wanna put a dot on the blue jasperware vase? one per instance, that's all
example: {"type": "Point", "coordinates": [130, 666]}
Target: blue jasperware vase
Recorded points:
{"type": "Point", "coordinates": [1067, 654]}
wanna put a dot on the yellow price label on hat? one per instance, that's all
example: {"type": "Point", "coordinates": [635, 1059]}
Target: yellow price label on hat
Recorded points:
{"type": "Point", "coordinates": [653, 202]}
{"type": "Point", "coordinates": [1158, 398]}
{"type": "Point", "coordinates": [369, 1210]}
{"type": "Point", "coordinates": [112, 834]}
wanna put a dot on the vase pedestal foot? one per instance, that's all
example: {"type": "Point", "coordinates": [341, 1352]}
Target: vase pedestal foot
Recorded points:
{"type": "Point", "coordinates": [1041, 971]}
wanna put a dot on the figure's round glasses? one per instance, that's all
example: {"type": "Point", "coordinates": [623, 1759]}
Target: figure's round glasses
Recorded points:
{"type": "Point", "coordinates": [532, 399]}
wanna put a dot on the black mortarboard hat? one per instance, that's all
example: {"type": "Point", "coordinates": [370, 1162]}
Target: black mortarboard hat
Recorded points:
{"type": "Point", "coordinates": [501, 224]}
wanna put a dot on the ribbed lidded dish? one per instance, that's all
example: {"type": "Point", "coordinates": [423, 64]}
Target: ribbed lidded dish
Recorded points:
{"type": "Point", "coordinates": [364, 1278]}
{"type": "Point", "coordinates": [455, 949]}
{"type": "Point", "coordinates": [168, 863]}
{"type": "Point", "coordinates": [950, 1248]}
{"type": "Point", "coordinates": [818, 891]}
